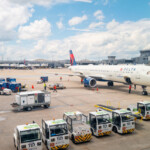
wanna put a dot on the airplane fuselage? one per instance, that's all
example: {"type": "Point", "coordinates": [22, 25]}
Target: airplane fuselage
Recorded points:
{"type": "Point", "coordinates": [137, 74]}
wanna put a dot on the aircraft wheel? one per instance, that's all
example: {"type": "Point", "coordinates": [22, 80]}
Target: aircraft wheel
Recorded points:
{"type": "Point", "coordinates": [144, 93]}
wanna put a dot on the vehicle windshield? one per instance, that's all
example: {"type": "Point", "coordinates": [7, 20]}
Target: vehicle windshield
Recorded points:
{"type": "Point", "coordinates": [103, 119]}
{"type": "Point", "coordinates": [60, 129]}
{"type": "Point", "coordinates": [76, 119]}
{"type": "Point", "coordinates": [30, 135]}
{"type": "Point", "coordinates": [127, 117]}
{"type": "Point", "coordinates": [148, 107]}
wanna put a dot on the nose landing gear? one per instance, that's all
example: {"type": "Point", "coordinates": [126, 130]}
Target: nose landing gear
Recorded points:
{"type": "Point", "coordinates": [144, 90]}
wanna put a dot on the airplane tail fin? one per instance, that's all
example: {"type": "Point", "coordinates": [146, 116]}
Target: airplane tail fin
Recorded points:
{"type": "Point", "coordinates": [72, 59]}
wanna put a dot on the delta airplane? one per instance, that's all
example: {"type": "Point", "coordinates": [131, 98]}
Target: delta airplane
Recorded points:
{"type": "Point", "coordinates": [128, 74]}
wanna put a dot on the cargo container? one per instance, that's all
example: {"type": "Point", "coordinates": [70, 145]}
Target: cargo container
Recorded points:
{"type": "Point", "coordinates": [2, 80]}
{"type": "Point", "coordinates": [11, 79]}
{"type": "Point", "coordinates": [31, 99]}
{"type": "Point", "coordinates": [15, 87]}
{"type": "Point", "coordinates": [5, 85]}
{"type": "Point", "coordinates": [44, 78]}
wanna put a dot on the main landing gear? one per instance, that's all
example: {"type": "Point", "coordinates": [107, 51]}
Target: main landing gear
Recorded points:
{"type": "Point", "coordinates": [144, 90]}
{"type": "Point", "coordinates": [110, 83]}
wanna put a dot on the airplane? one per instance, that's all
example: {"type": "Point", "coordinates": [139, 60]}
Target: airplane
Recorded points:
{"type": "Point", "coordinates": [127, 74]}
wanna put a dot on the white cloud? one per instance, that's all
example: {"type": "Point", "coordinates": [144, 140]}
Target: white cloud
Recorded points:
{"type": "Point", "coordinates": [36, 30]}
{"type": "Point", "coordinates": [96, 25]}
{"type": "Point", "coordinates": [120, 39]}
{"type": "Point", "coordinates": [60, 24]}
{"type": "Point", "coordinates": [77, 20]}
{"type": "Point", "coordinates": [85, 1]}
{"type": "Point", "coordinates": [11, 16]}
{"type": "Point", "coordinates": [45, 3]}
{"type": "Point", "coordinates": [99, 15]}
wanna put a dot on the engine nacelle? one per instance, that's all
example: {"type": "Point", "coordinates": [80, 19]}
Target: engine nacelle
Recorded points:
{"type": "Point", "coordinates": [89, 82]}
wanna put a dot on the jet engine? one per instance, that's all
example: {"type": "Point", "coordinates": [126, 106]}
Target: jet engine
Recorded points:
{"type": "Point", "coordinates": [89, 82]}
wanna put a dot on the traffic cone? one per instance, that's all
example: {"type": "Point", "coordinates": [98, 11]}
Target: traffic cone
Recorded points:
{"type": "Point", "coordinates": [32, 86]}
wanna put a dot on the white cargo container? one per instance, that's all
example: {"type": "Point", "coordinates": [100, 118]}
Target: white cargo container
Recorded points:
{"type": "Point", "coordinates": [30, 99]}
{"type": "Point", "coordinates": [28, 137]}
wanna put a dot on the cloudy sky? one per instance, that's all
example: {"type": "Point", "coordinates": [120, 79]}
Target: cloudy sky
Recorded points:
{"type": "Point", "coordinates": [93, 29]}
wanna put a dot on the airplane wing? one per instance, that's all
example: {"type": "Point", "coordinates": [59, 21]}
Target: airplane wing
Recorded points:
{"type": "Point", "coordinates": [82, 75]}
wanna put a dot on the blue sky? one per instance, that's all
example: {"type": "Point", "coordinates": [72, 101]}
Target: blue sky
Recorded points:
{"type": "Point", "coordinates": [93, 29]}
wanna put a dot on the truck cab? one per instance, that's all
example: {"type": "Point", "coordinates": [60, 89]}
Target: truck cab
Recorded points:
{"type": "Point", "coordinates": [100, 123]}
{"type": "Point", "coordinates": [144, 108]}
{"type": "Point", "coordinates": [55, 134]}
{"type": "Point", "coordinates": [28, 137]}
{"type": "Point", "coordinates": [123, 121]}
{"type": "Point", "coordinates": [79, 129]}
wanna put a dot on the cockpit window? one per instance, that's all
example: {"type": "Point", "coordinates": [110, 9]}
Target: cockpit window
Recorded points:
{"type": "Point", "coordinates": [148, 73]}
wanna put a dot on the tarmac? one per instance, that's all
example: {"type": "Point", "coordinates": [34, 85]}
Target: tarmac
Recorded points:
{"type": "Point", "coordinates": [74, 98]}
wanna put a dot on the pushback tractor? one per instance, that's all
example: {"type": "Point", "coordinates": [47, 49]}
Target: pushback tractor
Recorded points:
{"type": "Point", "coordinates": [100, 123]}
{"type": "Point", "coordinates": [122, 119]}
{"type": "Point", "coordinates": [55, 134]}
{"type": "Point", "coordinates": [28, 137]}
{"type": "Point", "coordinates": [143, 107]}
{"type": "Point", "coordinates": [79, 129]}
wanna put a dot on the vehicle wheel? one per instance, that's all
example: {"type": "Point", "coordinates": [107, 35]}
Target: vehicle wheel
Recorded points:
{"type": "Point", "coordinates": [144, 93]}
{"type": "Point", "coordinates": [73, 140]}
{"type": "Point", "coordinates": [29, 108]}
{"type": "Point", "coordinates": [114, 129]}
{"type": "Point", "coordinates": [47, 106]}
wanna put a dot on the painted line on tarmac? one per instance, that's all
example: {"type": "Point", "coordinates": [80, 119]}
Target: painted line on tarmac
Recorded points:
{"type": "Point", "coordinates": [3, 112]}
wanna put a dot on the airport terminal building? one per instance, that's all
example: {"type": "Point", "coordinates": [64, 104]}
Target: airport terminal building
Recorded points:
{"type": "Point", "coordinates": [144, 58]}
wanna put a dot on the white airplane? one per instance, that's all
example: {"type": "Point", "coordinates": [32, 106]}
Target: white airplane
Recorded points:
{"type": "Point", "coordinates": [128, 74]}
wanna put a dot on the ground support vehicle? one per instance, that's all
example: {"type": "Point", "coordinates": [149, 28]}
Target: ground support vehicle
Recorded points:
{"type": "Point", "coordinates": [42, 79]}
{"type": "Point", "coordinates": [59, 86]}
{"type": "Point", "coordinates": [100, 123]}
{"type": "Point", "coordinates": [30, 99]}
{"type": "Point", "coordinates": [79, 129]}
{"type": "Point", "coordinates": [122, 119]}
{"type": "Point", "coordinates": [5, 92]}
{"type": "Point", "coordinates": [28, 137]}
{"type": "Point", "coordinates": [143, 108]}
{"type": "Point", "coordinates": [55, 134]}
